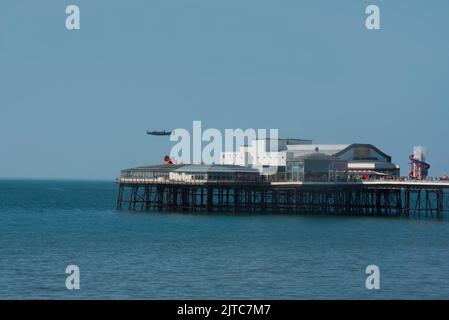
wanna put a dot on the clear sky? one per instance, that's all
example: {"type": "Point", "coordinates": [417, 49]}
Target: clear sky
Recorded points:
{"type": "Point", "coordinates": [76, 104]}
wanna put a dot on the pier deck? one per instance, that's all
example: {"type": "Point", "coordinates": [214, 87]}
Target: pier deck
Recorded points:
{"type": "Point", "coordinates": [366, 197]}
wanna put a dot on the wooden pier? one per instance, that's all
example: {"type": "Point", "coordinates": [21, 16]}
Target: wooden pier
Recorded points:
{"type": "Point", "coordinates": [369, 198]}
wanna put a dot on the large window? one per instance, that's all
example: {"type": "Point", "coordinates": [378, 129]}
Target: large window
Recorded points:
{"type": "Point", "coordinates": [295, 171]}
{"type": "Point", "coordinates": [316, 170]}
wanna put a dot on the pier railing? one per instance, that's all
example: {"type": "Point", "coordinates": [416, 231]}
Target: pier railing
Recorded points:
{"type": "Point", "coordinates": [144, 181]}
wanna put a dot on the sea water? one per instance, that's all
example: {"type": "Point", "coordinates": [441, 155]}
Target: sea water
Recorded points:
{"type": "Point", "coordinates": [47, 225]}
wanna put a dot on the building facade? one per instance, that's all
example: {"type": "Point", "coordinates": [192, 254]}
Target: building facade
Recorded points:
{"type": "Point", "coordinates": [301, 160]}
{"type": "Point", "coordinates": [192, 173]}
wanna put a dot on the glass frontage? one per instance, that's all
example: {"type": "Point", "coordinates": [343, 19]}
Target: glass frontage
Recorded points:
{"type": "Point", "coordinates": [295, 171]}
{"type": "Point", "coordinates": [316, 170]}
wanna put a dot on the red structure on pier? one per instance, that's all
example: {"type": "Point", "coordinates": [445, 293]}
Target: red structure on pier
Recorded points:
{"type": "Point", "coordinates": [419, 168]}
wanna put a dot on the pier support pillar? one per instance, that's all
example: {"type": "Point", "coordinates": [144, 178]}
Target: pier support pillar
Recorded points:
{"type": "Point", "coordinates": [209, 199]}
{"type": "Point", "coordinates": [440, 204]}
{"type": "Point", "coordinates": [406, 209]}
{"type": "Point", "coordinates": [120, 196]}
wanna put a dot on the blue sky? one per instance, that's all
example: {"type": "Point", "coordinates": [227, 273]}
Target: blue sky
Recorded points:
{"type": "Point", "coordinates": [76, 104]}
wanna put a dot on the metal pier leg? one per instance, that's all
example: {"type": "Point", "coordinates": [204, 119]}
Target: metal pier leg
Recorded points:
{"type": "Point", "coordinates": [131, 198]}
{"type": "Point", "coordinates": [120, 196]}
{"type": "Point", "coordinates": [236, 199]}
{"type": "Point", "coordinates": [406, 209]}
{"type": "Point", "coordinates": [418, 203]}
{"type": "Point", "coordinates": [136, 190]}
{"type": "Point", "coordinates": [440, 211]}
{"type": "Point", "coordinates": [209, 199]}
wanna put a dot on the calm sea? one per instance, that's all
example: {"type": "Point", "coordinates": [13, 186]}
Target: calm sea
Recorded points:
{"type": "Point", "coordinates": [47, 225]}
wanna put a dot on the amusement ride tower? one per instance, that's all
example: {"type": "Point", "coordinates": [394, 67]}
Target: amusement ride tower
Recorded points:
{"type": "Point", "coordinates": [419, 168]}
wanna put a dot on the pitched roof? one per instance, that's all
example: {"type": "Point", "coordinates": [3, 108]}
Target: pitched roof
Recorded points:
{"type": "Point", "coordinates": [365, 145]}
